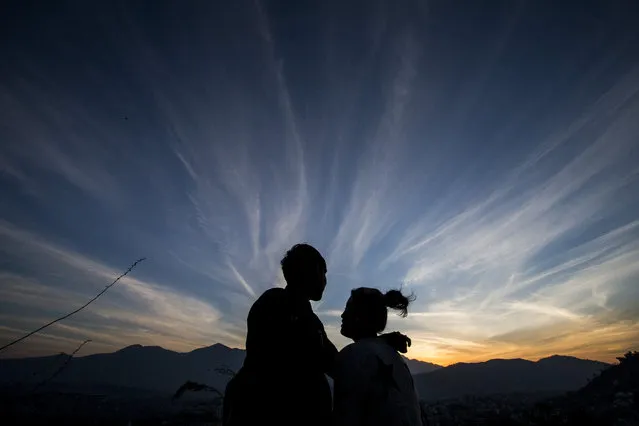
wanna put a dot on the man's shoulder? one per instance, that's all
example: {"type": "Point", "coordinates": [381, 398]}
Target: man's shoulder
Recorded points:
{"type": "Point", "coordinates": [271, 298]}
{"type": "Point", "coordinates": [274, 294]}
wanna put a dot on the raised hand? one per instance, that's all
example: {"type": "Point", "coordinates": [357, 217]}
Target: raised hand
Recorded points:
{"type": "Point", "coordinates": [398, 341]}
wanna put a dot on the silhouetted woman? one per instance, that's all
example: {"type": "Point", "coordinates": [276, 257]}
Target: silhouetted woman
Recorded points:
{"type": "Point", "coordinates": [373, 385]}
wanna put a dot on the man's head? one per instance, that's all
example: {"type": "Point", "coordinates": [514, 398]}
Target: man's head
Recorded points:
{"type": "Point", "coordinates": [304, 270]}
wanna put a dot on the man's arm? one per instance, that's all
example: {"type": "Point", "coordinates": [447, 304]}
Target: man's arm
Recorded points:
{"type": "Point", "coordinates": [398, 341]}
{"type": "Point", "coordinates": [329, 355]}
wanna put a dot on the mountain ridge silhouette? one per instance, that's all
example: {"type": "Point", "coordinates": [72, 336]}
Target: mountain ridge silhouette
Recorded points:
{"type": "Point", "coordinates": [156, 369]}
{"type": "Point", "coordinates": [553, 374]}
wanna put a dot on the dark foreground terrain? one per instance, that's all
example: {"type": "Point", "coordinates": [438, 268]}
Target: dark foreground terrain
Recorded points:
{"type": "Point", "coordinates": [610, 398]}
{"type": "Point", "coordinates": [106, 407]}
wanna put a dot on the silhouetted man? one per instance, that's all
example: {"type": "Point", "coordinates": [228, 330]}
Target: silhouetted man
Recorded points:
{"type": "Point", "coordinates": [283, 378]}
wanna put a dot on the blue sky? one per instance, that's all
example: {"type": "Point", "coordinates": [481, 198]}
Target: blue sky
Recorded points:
{"type": "Point", "coordinates": [485, 158]}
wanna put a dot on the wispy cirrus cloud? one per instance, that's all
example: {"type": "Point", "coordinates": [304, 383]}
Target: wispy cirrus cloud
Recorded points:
{"type": "Point", "coordinates": [545, 250]}
{"type": "Point", "coordinates": [45, 111]}
{"type": "Point", "coordinates": [61, 280]}
{"type": "Point", "coordinates": [498, 182]}
{"type": "Point", "coordinates": [368, 215]}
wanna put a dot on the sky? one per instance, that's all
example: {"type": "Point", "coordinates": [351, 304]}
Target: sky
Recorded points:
{"type": "Point", "coordinates": [483, 156]}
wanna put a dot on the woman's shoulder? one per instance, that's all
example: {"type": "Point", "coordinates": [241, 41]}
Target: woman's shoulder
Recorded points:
{"type": "Point", "coordinates": [374, 350]}
{"type": "Point", "coordinates": [360, 351]}
{"type": "Point", "coordinates": [364, 345]}
{"type": "Point", "coordinates": [354, 360]}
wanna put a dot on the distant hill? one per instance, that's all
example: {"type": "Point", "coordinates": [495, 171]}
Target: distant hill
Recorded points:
{"type": "Point", "coordinates": [418, 367]}
{"type": "Point", "coordinates": [610, 398]}
{"type": "Point", "coordinates": [158, 370]}
{"type": "Point", "coordinates": [149, 368]}
{"type": "Point", "coordinates": [505, 376]}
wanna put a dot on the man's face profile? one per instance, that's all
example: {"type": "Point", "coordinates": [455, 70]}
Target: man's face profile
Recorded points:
{"type": "Point", "coordinates": [316, 282]}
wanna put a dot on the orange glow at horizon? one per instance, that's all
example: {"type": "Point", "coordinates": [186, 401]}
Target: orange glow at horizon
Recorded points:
{"type": "Point", "coordinates": [601, 344]}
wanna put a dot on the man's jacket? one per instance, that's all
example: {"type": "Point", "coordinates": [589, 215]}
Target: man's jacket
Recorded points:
{"type": "Point", "coordinates": [283, 377]}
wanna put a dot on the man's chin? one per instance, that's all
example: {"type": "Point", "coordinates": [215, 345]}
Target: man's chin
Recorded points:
{"type": "Point", "coordinates": [316, 297]}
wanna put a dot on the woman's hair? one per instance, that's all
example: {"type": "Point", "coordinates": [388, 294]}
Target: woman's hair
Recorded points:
{"type": "Point", "coordinates": [373, 305]}
{"type": "Point", "coordinates": [394, 299]}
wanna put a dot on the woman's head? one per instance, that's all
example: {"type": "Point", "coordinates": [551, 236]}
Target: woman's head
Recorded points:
{"type": "Point", "coordinates": [366, 311]}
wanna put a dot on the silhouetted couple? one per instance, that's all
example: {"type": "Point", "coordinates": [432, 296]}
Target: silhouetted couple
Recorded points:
{"type": "Point", "coordinates": [283, 378]}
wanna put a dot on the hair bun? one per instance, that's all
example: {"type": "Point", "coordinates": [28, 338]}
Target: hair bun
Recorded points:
{"type": "Point", "coordinates": [394, 299]}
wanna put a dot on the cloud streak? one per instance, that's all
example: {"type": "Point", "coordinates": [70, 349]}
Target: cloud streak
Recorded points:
{"type": "Point", "coordinates": [140, 310]}
{"type": "Point", "coordinates": [498, 182]}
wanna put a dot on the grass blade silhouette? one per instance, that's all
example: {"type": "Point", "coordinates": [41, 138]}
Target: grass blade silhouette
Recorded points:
{"type": "Point", "coordinates": [77, 310]}
{"type": "Point", "coordinates": [225, 371]}
{"type": "Point", "coordinates": [62, 367]}
{"type": "Point", "coordinates": [195, 387]}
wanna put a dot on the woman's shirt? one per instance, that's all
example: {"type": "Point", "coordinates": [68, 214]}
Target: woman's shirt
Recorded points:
{"type": "Point", "coordinates": [373, 386]}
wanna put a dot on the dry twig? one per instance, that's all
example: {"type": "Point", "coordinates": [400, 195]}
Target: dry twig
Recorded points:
{"type": "Point", "coordinates": [62, 367]}
{"type": "Point", "coordinates": [77, 310]}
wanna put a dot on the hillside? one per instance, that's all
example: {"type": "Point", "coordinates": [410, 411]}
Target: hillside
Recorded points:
{"type": "Point", "coordinates": [419, 367]}
{"type": "Point", "coordinates": [610, 398]}
{"type": "Point", "coordinates": [155, 369]}
{"type": "Point", "coordinates": [137, 383]}
{"type": "Point", "coordinates": [505, 376]}
{"type": "Point", "coordinates": [149, 368]}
